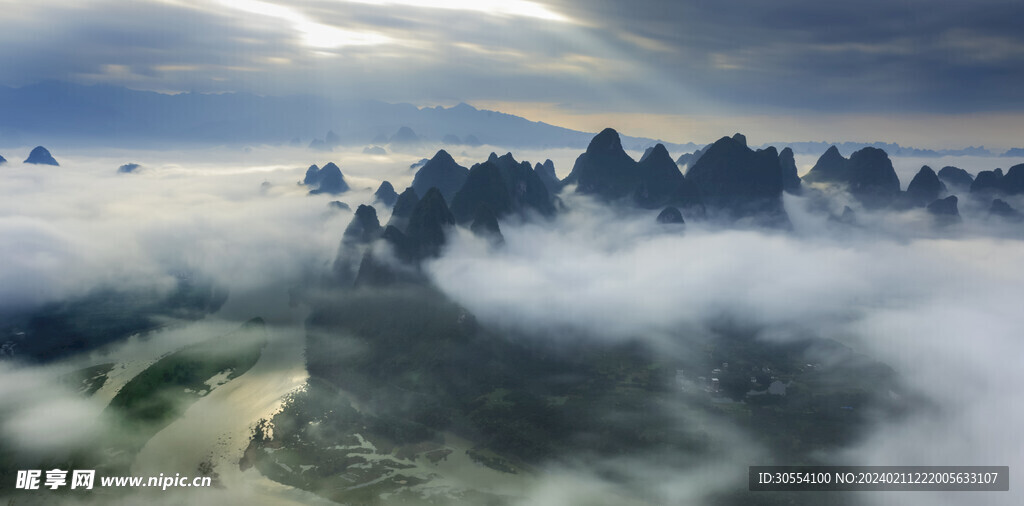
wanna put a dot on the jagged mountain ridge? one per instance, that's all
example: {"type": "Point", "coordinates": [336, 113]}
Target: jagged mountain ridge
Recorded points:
{"type": "Point", "coordinates": [730, 181]}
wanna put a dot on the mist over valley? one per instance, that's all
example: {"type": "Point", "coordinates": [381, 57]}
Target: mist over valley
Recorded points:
{"type": "Point", "coordinates": [541, 334]}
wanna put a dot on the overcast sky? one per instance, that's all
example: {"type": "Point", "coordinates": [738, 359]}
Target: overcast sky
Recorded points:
{"type": "Point", "coordinates": [918, 72]}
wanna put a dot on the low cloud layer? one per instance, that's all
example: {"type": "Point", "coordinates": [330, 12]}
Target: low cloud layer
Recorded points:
{"type": "Point", "coordinates": [939, 306]}
{"type": "Point", "coordinates": [615, 276]}
{"type": "Point", "coordinates": [41, 416]}
{"type": "Point", "coordinates": [70, 229]}
{"type": "Point", "coordinates": [235, 216]}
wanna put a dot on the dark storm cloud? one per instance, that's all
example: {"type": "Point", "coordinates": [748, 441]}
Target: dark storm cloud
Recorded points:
{"type": "Point", "coordinates": [876, 55]}
{"type": "Point", "coordinates": [608, 56]}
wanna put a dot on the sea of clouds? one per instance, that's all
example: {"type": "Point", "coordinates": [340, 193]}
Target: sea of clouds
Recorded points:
{"type": "Point", "coordinates": [941, 306]}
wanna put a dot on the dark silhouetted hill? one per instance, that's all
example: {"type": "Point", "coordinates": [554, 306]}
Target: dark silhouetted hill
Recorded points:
{"type": "Point", "coordinates": [386, 194]}
{"type": "Point", "coordinates": [924, 188]}
{"type": "Point", "coordinates": [41, 156]}
{"type": "Point", "coordinates": [956, 177]}
{"type": "Point", "coordinates": [328, 179]}
{"type": "Point", "coordinates": [736, 182]}
{"type": "Point", "coordinates": [440, 172]}
{"type": "Point", "coordinates": [868, 175]}
{"type": "Point", "coordinates": [670, 215]}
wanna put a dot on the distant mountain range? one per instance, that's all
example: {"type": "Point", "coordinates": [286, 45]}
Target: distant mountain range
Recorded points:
{"type": "Point", "coordinates": [110, 116]}
{"type": "Point", "coordinates": [114, 116]}
{"type": "Point", "coordinates": [893, 149]}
